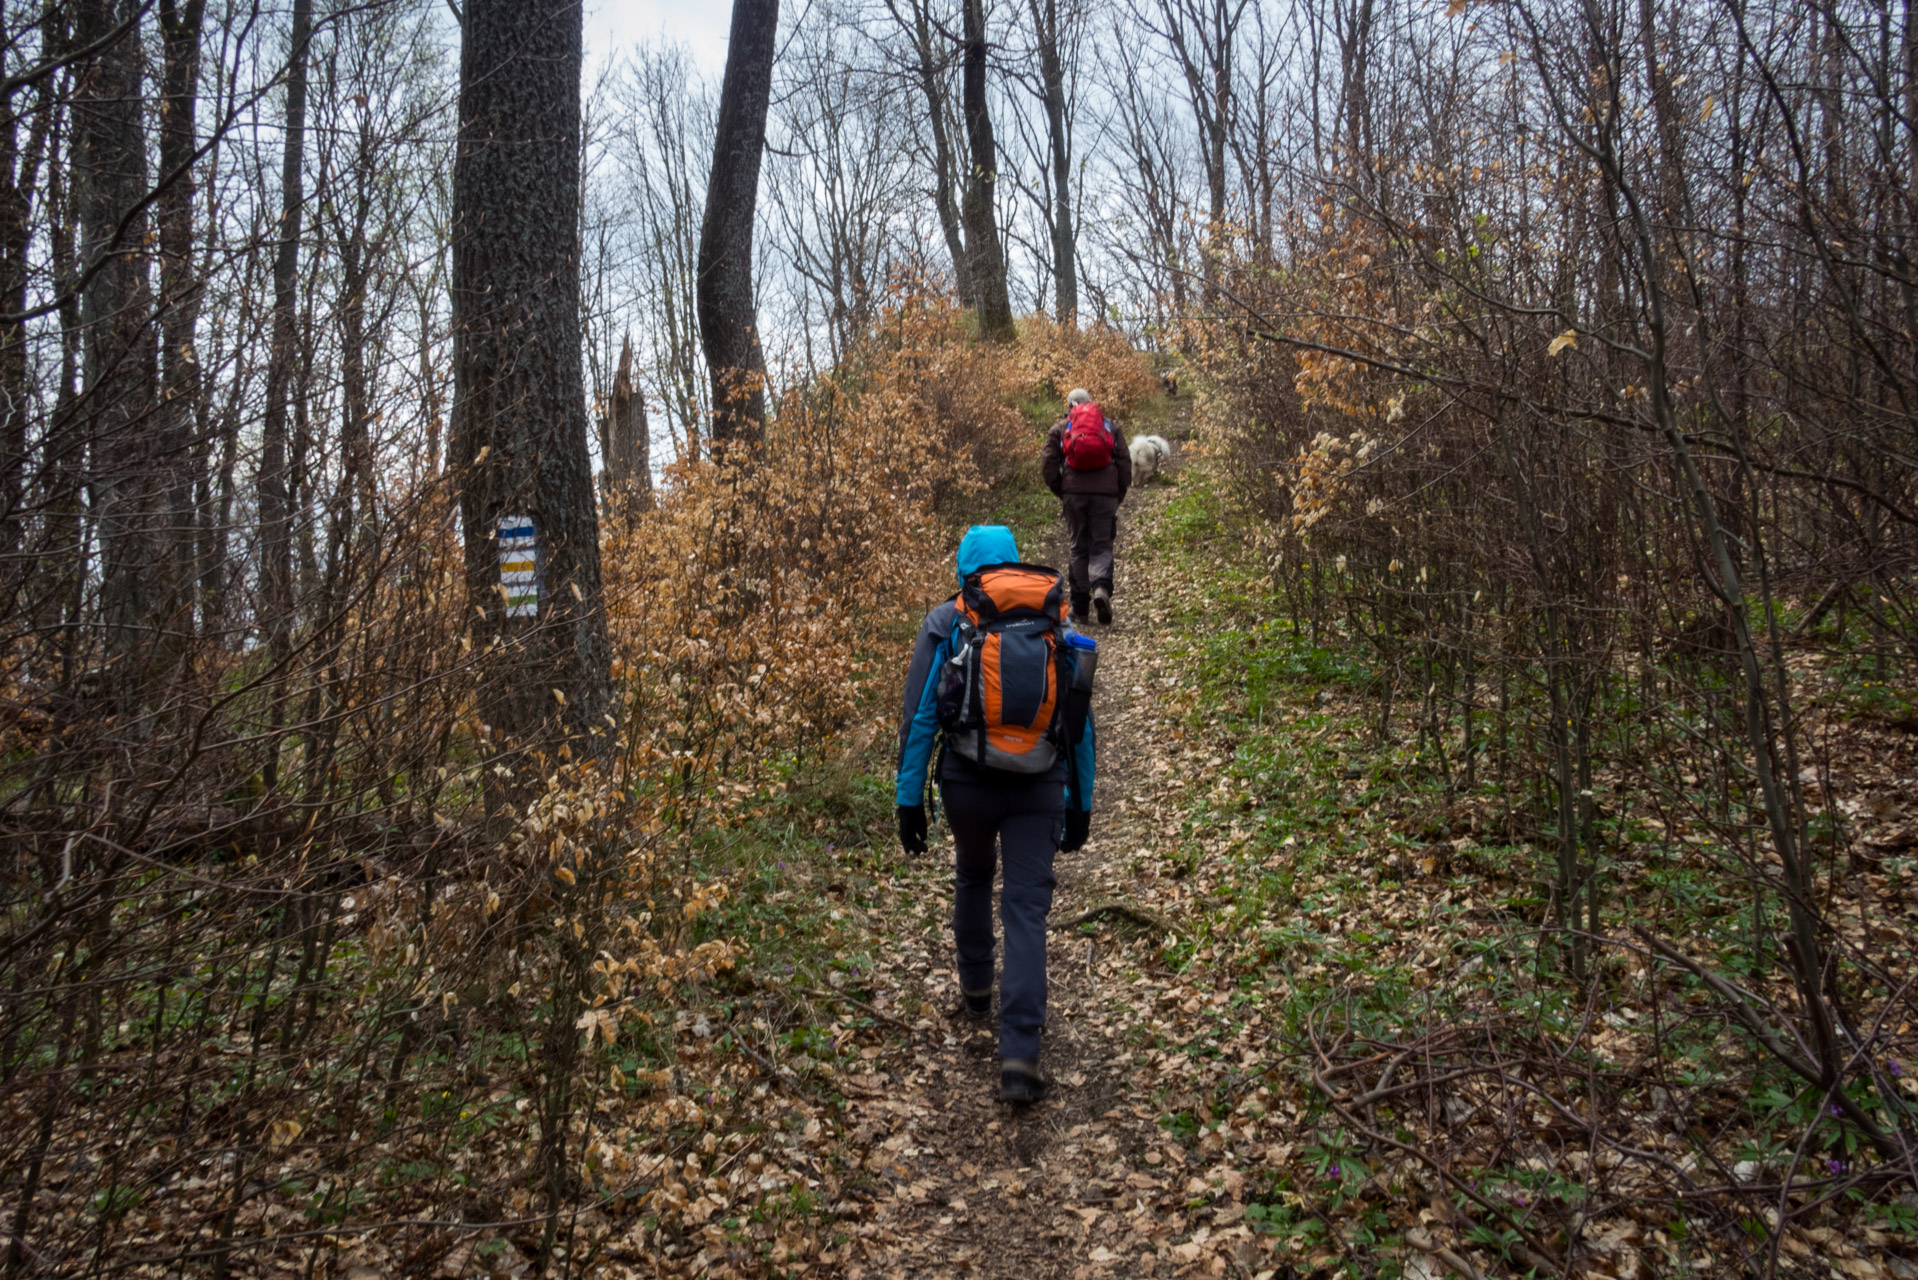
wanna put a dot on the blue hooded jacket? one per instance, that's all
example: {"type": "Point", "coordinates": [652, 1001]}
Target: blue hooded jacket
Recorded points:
{"type": "Point", "coordinates": [984, 544]}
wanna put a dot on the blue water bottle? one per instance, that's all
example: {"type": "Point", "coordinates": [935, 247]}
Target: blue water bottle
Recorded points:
{"type": "Point", "coordinates": [1085, 654]}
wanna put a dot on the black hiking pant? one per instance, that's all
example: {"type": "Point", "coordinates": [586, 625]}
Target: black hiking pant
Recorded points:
{"type": "Point", "coordinates": [1018, 823]}
{"type": "Point", "coordinates": [1092, 519]}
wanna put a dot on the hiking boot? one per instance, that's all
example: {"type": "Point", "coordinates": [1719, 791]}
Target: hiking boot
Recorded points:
{"type": "Point", "coordinates": [1020, 1082]}
{"type": "Point", "coordinates": [975, 1006]}
{"type": "Point", "coordinates": [1081, 612]}
{"type": "Point", "coordinates": [1102, 605]}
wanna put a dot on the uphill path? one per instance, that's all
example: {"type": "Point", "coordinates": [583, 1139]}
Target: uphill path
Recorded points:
{"type": "Point", "coordinates": [1093, 1181]}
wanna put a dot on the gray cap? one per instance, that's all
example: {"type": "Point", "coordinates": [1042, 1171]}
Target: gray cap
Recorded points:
{"type": "Point", "coordinates": [1078, 395]}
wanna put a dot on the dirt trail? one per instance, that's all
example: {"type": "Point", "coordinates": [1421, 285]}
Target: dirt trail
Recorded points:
{"type": "Point", "coordinates": [961, 1184]}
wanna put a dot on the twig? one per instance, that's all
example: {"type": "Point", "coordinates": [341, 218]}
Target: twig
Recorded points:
{"type": "Point", "coordinates": [1138, 915]}
{"type": "Point", "coordinates": [1425, 1244]}
{"type": "Point", "coordinates": [858, 1004]}
{"type": "Point", "coordinates": [1386, 1090]}
{"type": "Point", "coordinates": [1748, 1018]}
{"type": "Point", "coordinates": [1532, 1245]}
{"type": "Point", "coordinates": [779, 1074]}
{"type": "Point", "coordinates": [1357, 1064]}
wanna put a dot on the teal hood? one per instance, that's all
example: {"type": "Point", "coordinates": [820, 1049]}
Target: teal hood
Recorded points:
{"type": "Point", "coordinates": [986, 544]}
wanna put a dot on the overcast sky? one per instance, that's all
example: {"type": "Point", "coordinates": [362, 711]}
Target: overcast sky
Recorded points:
{"type": "Point", "coordinates": [613, 26]}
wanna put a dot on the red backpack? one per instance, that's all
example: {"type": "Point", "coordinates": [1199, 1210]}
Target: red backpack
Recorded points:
{"type": "Point", "coordinates": [1088, 441]}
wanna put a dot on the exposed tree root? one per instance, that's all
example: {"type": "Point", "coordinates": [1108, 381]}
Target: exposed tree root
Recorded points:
{"type": "Point", "coordinates": [1138, 915]}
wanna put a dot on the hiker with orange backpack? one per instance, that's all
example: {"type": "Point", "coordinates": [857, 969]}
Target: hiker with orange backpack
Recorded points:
{"type": "Point", "coordinates": [1087, 465]}
{"type": "Point", "coordinates": [1003, 688]}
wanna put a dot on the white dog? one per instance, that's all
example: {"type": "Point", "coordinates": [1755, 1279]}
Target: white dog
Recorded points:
{"type": "Point", "coordinates": [1149, 454]}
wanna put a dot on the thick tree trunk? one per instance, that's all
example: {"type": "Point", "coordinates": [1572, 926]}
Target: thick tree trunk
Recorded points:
{"type": "Point", "coordinates": [988, 268]}
{"type": "Point", "coordinates": [275, 497]}
{"type": "Point", "coordinates": [127, 463]}
{"type": "Point", "coordinates": [519, 401]}
{"type": "Point", "coordinates": [728, 324]}
{"type": "Point", "coordinates": [1065, 269]}
{"type": "Point", "coordinates": [625, 444]}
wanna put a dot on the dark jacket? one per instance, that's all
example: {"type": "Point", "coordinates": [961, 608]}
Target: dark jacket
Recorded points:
{"type": "Point", "coordinates": [1061, 479]}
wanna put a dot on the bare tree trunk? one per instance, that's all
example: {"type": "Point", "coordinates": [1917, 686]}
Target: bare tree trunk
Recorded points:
{"type": "Point", "coordinates": [519, 403]}
{"type": "Point", "coordinates": [358, 489]}
{"type": "Point", "coordinates": [19, 175]}
{"type": "Point", "coordinates": [1219, 127]}
{"type": "Point", "coordinates": [728, 323]}
{"type": "Point", "coordinates": [1203, 35]}
{"type": "Point", "coordinates": [126, 461]}
{"type": "Point", "coordinates": [216, 513]}
{"type": "Point", "coordinates": [988, 267]}
{"type": "Point", "coordinates": [431, 382]}
{"type": "Point", "coordinates": [1065, 279]}
{"type": "Point", "coordinates": [275, 498]}
{"type": "Point", "coordinates": [671, 204]}
{"type": "Point", "coordinates": [63, 545]}
{"type": "Point", "coordinates": [625, 442]}
{"type": "Point", "coordinates": [1355, 36]}
{"type": "Point", "coordinates": [932, 85]}
{"type": "Point", "coordinates": [180, 400]}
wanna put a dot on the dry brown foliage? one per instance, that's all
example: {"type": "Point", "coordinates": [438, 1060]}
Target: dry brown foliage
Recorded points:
{"type": "Point", "coordinates": [311, 949]}
{"type": "Point", "coordinates": [1051, 359]}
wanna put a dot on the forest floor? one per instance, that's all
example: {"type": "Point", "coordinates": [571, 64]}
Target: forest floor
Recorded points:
{"type": "Point", "coordinates": [1307, 1013]}
{"type": "Point", "coordinates": [1090, 1181]}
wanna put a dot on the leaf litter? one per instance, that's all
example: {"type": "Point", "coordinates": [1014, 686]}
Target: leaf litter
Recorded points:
{"type": "Point", "coordinates": [1293, 1032]}
{"type": "Point", "coordinates": [1271, 1058]}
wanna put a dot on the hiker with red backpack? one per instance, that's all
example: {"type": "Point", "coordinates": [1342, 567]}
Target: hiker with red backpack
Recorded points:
{"type": "Point", "coordinates": [1003, 688]}
{"type": "Point", "coordinates": [1087, 465]}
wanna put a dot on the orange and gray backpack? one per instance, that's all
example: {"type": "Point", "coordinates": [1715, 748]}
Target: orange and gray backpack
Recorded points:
{"type": "Point", "coordinates": [1001, 693]}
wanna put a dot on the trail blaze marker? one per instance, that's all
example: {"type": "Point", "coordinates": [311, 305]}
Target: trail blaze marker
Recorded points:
{"type": "Point", "coordinates": [519, 566]}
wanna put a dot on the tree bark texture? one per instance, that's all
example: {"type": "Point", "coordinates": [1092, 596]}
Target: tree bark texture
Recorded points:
{"type": "Point", "coordinates": [728, 323]}
{"type": "Point", "coordinates": [1065, 268]}
{"type": "Point", "coordinates": [20, 162]}
{"type": "Point", "coordinates": [127, 464]}
{"type": "Point", "coordinates": [982, 230]}
{"type": "Point", "coordinates": [519, 402]}
{"type": "Point", "coordinates": [63, 545]}
{"type": "Point", "coordinates": [625, 444]}
{"type": "Point", "coordinates": [275, 491]}
{"type": "Point", "coordinates": [181, 405]}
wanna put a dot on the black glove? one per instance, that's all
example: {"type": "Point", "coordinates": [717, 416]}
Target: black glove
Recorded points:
{"type": "Point", "coordinates": [912, 828]}
{"type": "Point", "coordinates": [1078, 826]}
